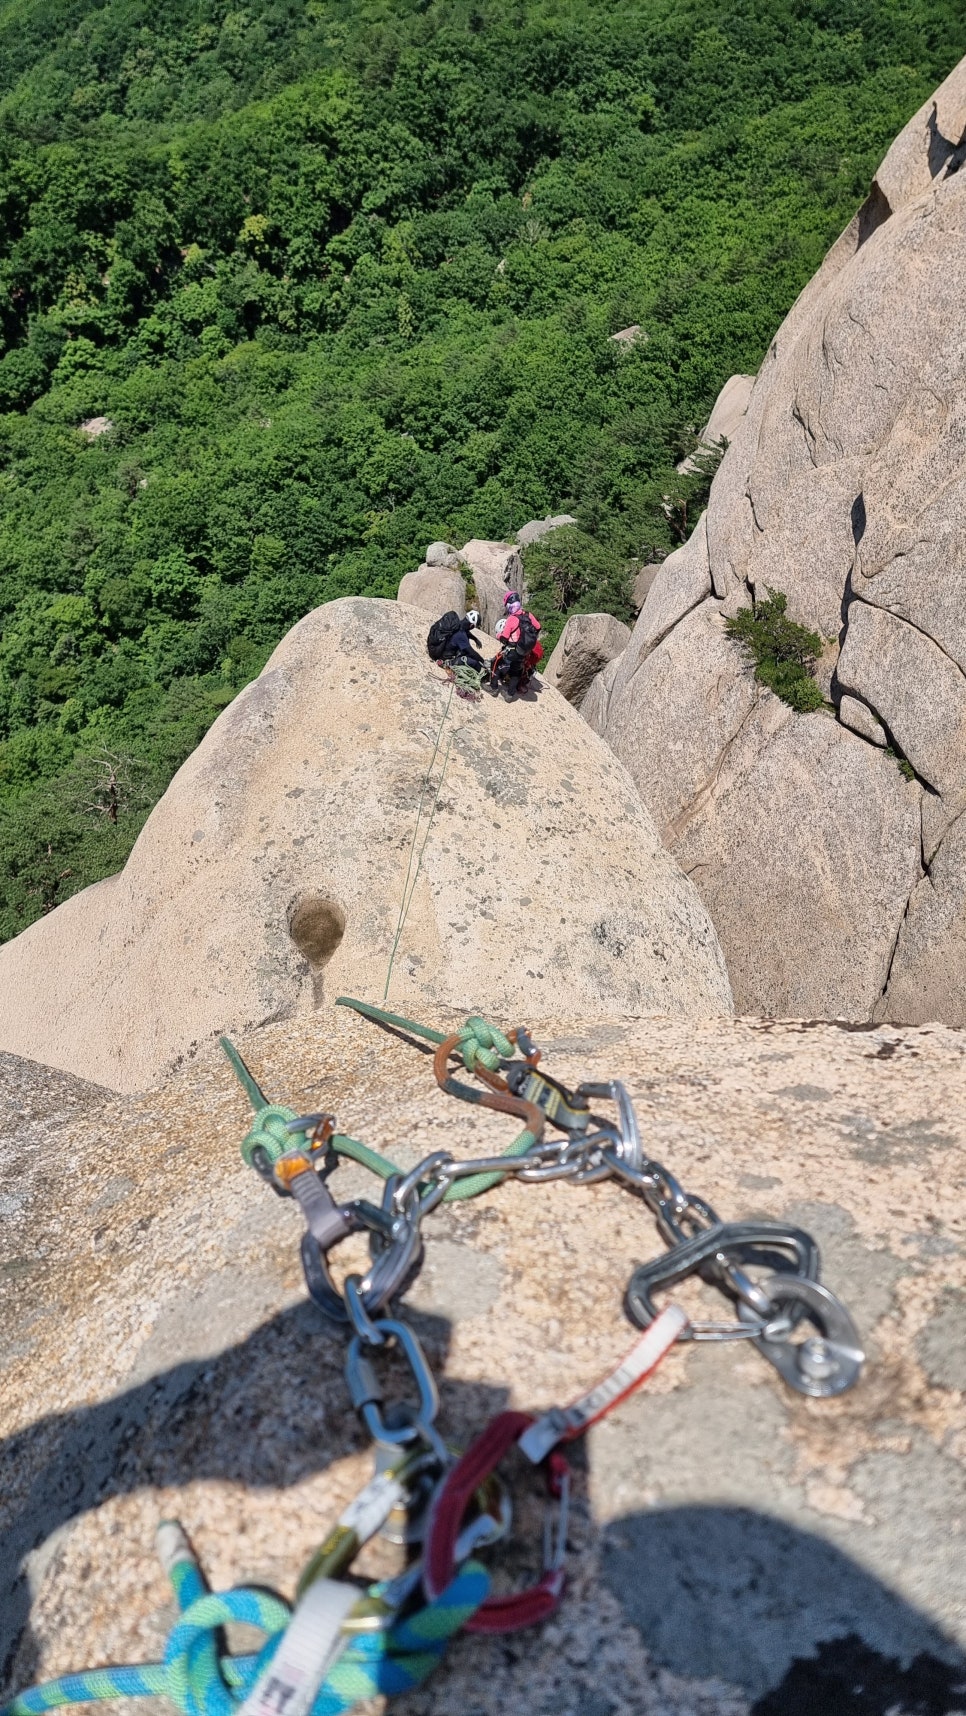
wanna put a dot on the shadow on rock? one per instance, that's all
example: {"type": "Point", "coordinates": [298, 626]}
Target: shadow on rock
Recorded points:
{"type": "Point", "coordinates": [726, 1594]}
{"type": "Point", "coordinates": [267, 1412]}
{"type": "Point", "coordinates": [730, 1594]}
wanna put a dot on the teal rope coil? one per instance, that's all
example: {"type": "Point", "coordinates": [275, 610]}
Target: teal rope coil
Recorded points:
{"type": "Point", "coordinates": [202, 1683]}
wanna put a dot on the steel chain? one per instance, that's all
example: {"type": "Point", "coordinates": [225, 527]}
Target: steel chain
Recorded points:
{"type": "Point", "coordinates": [769, 1312]}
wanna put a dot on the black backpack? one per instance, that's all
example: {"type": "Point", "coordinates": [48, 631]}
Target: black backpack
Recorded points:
{"type": "Point", "coordinates": [440, 633]}
{"type": "Point", "coordinates": [528, 634]}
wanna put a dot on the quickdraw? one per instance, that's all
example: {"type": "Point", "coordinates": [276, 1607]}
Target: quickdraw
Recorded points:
{"type": "Point", "coordinates": [343, 1644]}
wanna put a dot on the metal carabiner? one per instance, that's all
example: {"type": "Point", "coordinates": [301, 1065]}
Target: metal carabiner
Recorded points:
{"type": "Point", "coordinates": [366, 1393]}
{"type": "Point", "coordinates": [631, 1151]}
{"type": "Point", "coordinates": [401, 1249]}
{"type": "Point", "coordinates": [714, 1248]}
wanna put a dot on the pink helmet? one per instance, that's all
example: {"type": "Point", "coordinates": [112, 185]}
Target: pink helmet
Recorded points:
{"type": "Point", "coordinates": [511, 597]}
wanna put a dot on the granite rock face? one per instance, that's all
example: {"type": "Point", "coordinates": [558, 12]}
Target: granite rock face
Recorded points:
{"type": "Point", "coordinates": [495, 568]}
{"type": "Point", "coordinates": [342, 782]}
{"type": "Point", "coordinates": [538, 528]}
{"type": "Point", "coordinates": [726, 414]}
{"type": "Point", "coordinates": [442, 554]}
{"type": "Point", "coordinates": [586, 644]}
{"type": "Point", "coordinates": [435, 588]}
{"type": "Point", "coordinates": [643, 580]}
{"type": "Point", "coordinates": [844, 487]}
{"type": "Point", "coordinates": [728, 1538]}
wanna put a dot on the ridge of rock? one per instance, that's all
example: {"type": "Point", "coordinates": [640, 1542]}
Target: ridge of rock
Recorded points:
{"type": "Point", "coordinates": [275, 865]}
{"type": "Point", "coordinates": [845, 489]}
{"type": "Point", "coordinates": [167, 1364]}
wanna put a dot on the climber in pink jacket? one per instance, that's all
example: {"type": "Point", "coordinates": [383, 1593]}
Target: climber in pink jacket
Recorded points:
{"type": "Point", "coordinates": [519, 634]}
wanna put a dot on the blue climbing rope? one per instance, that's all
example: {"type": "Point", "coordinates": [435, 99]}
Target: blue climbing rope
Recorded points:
{"type": "Point", "coordinates": [200, 1682]}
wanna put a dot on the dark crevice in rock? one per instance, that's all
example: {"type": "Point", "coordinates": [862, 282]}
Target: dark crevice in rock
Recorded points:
{"type": "Point", "coordinates": [924, 874]}
{"type": "Point", "coordinates": [837, 701]}
{"type": "Point", "coordinates": [927, 863]}
{"type": "Point", "coordinates": [858, 519]}
{"type": "Point", "coordinates": [875, 211]}
{"type": "Point", "coordinates": [754, 516]}
{"type": "Point", "coordinates": [838, 690]}
{"type": "Point", "coordinates": [848, 597]}
{"type": "Point", "coordinates": [895, 945]}
{"type": "Point", "coordinates": [894, 748]}
{"type": "Point", "coordinates": [808, 433]}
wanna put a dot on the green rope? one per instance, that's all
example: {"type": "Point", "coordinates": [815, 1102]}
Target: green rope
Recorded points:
{"type": "Point", "coordinates": [478, 1042]}
{"type": "Point", "coordinates": [366, 1157]}
{"type": "Point", "coordinates": [253, 1091]}
{"type": "Point", "coordinates": [468, 680]}
{"type": "Point", "coordinates": [405, 902]}
{"type": "Point", "coordinates": [380, 1017]}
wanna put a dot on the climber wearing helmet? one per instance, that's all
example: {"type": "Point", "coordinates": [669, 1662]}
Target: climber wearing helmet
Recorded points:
{"type": "Point", "coordinates": [519, 634]}
{"type": "Point", "coordinates": [451, 642]}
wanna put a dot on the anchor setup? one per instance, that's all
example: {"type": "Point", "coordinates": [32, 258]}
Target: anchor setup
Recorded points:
{"type": "Point", "coordinates": [345, 1642]}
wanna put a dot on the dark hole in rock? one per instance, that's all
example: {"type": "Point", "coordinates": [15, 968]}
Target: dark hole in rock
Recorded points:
{"type": "Point", "coordinates": [316, 925]}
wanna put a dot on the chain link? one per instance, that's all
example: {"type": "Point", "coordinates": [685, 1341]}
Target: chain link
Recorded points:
{"type": "Point", "coordinates": [729, 1257]}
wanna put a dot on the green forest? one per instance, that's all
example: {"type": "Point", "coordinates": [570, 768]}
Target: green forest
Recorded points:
{"type": "Point", "coordinates": [339, 278]}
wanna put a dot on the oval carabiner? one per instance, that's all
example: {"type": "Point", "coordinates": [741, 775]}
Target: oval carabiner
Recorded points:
{"type": "Point", "coordinates": [729, 1242]}
{"type": "Point", "coordinates": [366, 1393]}
{"type": "Point", "coordinates": [631, 1151]}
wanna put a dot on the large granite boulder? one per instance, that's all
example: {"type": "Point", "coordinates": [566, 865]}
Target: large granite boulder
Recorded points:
{"type": "Point", "coordinates": [845, 488]}
{"type": "Point", "coordinates": [538, 528]}
{"type": "Point", "coordinates": [586, 644]}
{"type": "Point", "coordinates": [435, 588]}
{"type": "Point", "coordinates": [442, 554]}
{"type": "Point", "coordinates": [343, 781]}
{"type": "Point", "coordinates": [495, 568]}
{"type": "Point", "coordinates": [641, 583]}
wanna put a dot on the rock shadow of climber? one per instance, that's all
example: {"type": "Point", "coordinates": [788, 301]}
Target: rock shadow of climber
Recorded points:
{"type": "Point", "coordinates": [724, 1593]}
{"type": "Point", "coordinates": [732, 1594]}
{"type": "Point", "coordinates": [266, 1413]}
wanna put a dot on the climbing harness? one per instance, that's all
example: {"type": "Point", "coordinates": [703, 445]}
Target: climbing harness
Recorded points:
{"type": "Point", "coordinates": [342, 1643]}
{"type": "Point", "coordinates": [500, 672]}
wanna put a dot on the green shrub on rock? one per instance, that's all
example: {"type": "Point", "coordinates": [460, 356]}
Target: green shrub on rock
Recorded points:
{"type": "Point", "coordinates": [784, 653]}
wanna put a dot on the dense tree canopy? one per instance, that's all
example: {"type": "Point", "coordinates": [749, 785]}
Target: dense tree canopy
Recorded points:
{"type": "Point", "coordinates": [342, 275]}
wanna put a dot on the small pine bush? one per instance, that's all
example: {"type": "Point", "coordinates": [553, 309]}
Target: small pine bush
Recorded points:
{"type": "Point", "coordinates": [784, 653]}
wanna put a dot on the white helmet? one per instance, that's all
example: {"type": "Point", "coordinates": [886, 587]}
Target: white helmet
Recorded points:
{"type": "Point", "coordinates": [473, 617]}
